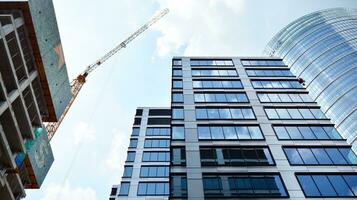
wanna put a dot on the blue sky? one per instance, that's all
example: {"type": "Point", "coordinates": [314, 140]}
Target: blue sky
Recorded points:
{"type": "Point", "coordinates": [90, 146]}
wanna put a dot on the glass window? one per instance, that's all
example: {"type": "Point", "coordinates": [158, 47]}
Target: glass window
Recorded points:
{"type": "Point", "coordinates": [340, 186]}
{"type": "Point", "coordinates": [291, 113]}
{"type": "Point", "coordinates": [285, 98]}
{"type": "Point", "coordinates": [319, 132]}
{"type": "Point", "coordinates": [178, 185]}
{"type": "Point", "coordinates": [281, 133]}
{"type": "Point", "coordinates": [211, 62]}
{"type": "Point", "coordinates": [283, 113]}
{"type": "Point", "coordinates": [124, 188]}
{"type": "Point", "coordinates": [230, 133]}
{"type": "Point", "coordinates": [294, 113]}
{"type": "Point", "coordinates": [306, 98]}
{"type": "Point", "coordinates": [199, 97]}
{"type": "Point", "coordinates": [272, 114]}
{"type": "Point", "coordinates": [208, 157]}
{"type": "Point", "coordinates": [178, 156]}
{"type": "Point", "coordinates": [224, 113]}
{"type": "Point", "coordinates": [212, 186]}
{"type": "Point", "coordinates": [217, 84]}
{"type": "Point", "coordinates": [216, 132]}
{"type": "Point", "coordinates": [158, 131]}
{"type": "Point", "coordinates": [236, 113]}
{"type": "Point", "coordinates": [133, 143]}
{"type": "Point", "coordinates": [154, 171]}
{"type": "Point", "coordinates": [210, 97]}
{"type": "Point", "coordinates": [336, 156]}
{"type": "Point", "coordinates": [263, 97]}
{"type": "Point", "coordinates": [324, 185]}
{"type": "Point", "coordinates": [306, 114]}
{"type": "Point", "coordinates": [161, 156]}
{"type": "Point", "coordinates": [349, 155]}
{"type": "Point", "coordinates": [177, 62]}
{"type": "Point", "coordinates": [332, 132]}
{"type": "Point", "coordinates": [274, 97]}
{"type": "Point", "coordinates": [307, 132]}
{"type": "Point", "coordinates": [201, 113]}
{"type": "Point", "coordinates": [242, 97]}
{"type": "Point", "coordinates": [244, 186]}
{"type": "Point", "coordinates": [258, 63]}
{"type": "Point", "coordinates": [294, 132]}
{"type": "Point", "coordinates": [153, 189]}
{"type": "Point", "coordinates": [131, 156]}
{"type": "Point", "coordinates": [308, 186]}
{"type": "Point", "coordinates": [255, 132]}
{"type": "Point", "coordinates": [318, 113]}
{"type": "Point", "coordinates": [221, 97]}
{"type": "Point", "coordinates": [243, 133]}
{"type": "Point", "coordinates": [276, 84]}
{"type": "Point", "coordinates": [235, 97]}
{"type": "Point", "coordinates": [307, 156]}
{"type": "Point", "coordinates": [204, 132]}
{"type": "Point", "coordinates": [295, 97]}
{"type": "Point", "coordinates": [209, 72]}
{"type": "Point", "coordinates": [260, 72]}
{"type": "Point", "coordinates": [177, 113]}
{"type": "Point", "coordinates": [321, 155]}
{"type": "Point", "coordinates": [293, 156]}
{"type": "Point", "coordinates": [177, 97]}
{"type": "Point", "coordinates": [135, 132]}
{"type": "Point", "coordinates": [156, 143]}
{"type": "Point", "coordinates": [351, 181]}
{"type": "Point", "coordinates": [128, 170]}
{"type": "Point", "coordinates": [177, 72]}
{"type": "Point", "coordinates": [213, 113]}
{"type": "Point", "coordinates": [236, 84]}
{"type": "Point", "coordinates": [176, 84]}
{"type": "Point", "coordinates": [248, 113]}
{"type": "Point", "coordinates": [236, 156]}
{"type": "Point", "coordinates": [178, 133]}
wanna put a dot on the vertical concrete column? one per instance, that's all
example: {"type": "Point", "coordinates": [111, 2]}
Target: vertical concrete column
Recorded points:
{"type": "Point", "coordinates": [193, 161]}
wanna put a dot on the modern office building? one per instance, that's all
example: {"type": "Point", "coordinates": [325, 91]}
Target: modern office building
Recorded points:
{"type": "Point", "coordinates": [241, 127]}
{"type": "Point", "coordinates": [146, 169]}
{"type": "Point", "coordinates": [34, 88]}
{"type": "Point", "coordinates": [321, 48]}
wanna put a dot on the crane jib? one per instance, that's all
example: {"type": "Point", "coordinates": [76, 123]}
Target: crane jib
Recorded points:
{"type": "Point", "coordinates": [77, 83]}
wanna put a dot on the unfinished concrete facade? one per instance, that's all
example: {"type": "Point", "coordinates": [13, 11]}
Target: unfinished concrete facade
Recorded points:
{"type": "Point", "coordinates": [34, 88]}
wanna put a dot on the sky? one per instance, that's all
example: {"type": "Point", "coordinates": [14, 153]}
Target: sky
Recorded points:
{"type": "Point", "coordinates": [90, 146]}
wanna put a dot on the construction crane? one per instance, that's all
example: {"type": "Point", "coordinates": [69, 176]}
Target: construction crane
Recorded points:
{"type": "Point", "coordinates": [77, 83]}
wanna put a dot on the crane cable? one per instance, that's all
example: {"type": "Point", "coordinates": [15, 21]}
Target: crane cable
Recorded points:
{"type": "Point", "coordinates": [90, 119]}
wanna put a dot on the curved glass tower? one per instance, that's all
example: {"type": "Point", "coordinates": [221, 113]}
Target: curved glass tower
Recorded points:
{"type": "Point", "coordinates": [321, 48]}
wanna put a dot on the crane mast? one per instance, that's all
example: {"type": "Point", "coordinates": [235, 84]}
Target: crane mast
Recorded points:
{"type": "Point", "coordinates": [77, 83]}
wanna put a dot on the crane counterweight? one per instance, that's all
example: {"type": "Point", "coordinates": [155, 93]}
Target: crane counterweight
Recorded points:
{"type": "Point", "coordinates": [77, 83]}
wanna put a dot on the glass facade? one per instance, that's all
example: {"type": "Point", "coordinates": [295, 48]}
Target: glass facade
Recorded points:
{"type": "Point", "coordinates": [321, 48]}
{"type": "Point", "coordinates": [329, 185]}
{"type": "Point", "coordinates": [255, 135]}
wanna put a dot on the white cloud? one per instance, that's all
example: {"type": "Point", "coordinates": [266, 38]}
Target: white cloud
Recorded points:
{"type": "Point", "coordinates": [115, 159]}
{"type": "Point", "coordinates": [200, 27]}
{"type": "Point", "coordinates": [83, 132]}
{"type": "Point", "coordinates": [67, 192]}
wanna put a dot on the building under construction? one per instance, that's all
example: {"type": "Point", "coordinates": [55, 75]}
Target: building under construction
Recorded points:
{"type": "Point", "coordinates": [34, 88]}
